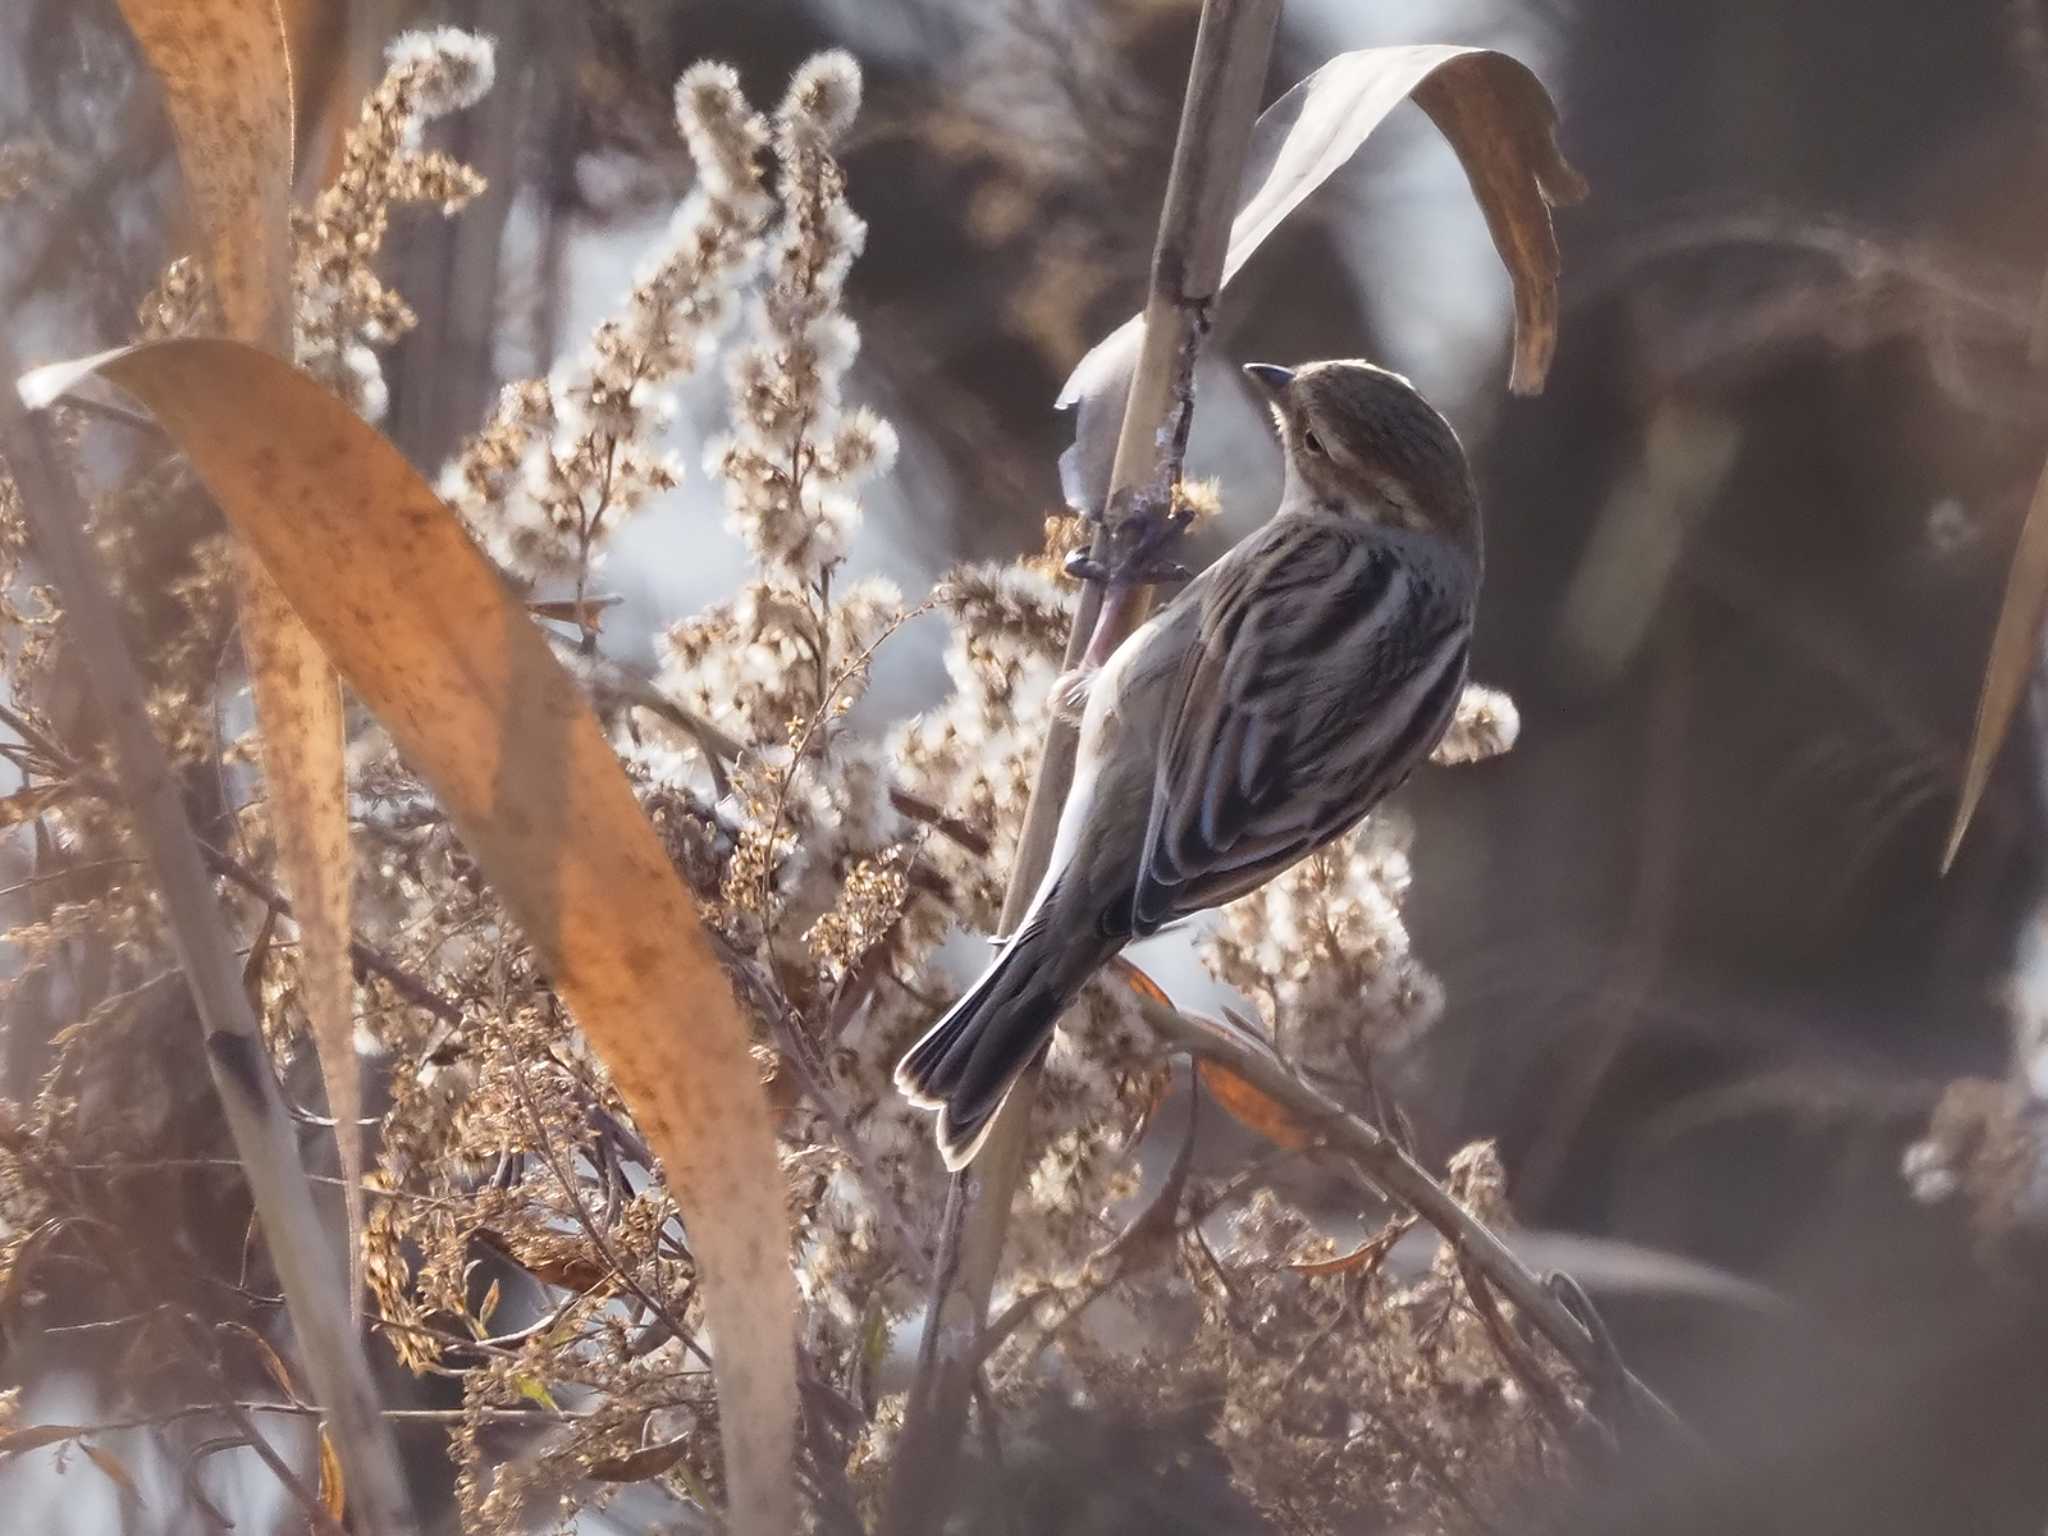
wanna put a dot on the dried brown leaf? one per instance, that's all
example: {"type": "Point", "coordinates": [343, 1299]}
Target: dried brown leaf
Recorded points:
{"type": "Point", "coordinates": [1141, 983]}
{"type": "Point", "coordinates": [273, 1363]}
{"type": "Point", "coordinates": [333, 1487]}
{"type": "Point", "coordinates": [2015, 648]}
{"type": "Point", "coordinates": [1251, 1108]}
{"type": "Point", "coordinates": [638, 1466]}
{"type": "Point", "coordinates": [1162, 1075]}
{"type": "Point", "coordinates": [113, 1467]}
{"type": "Point", "coordinates": [34, 1436]}
{"type": "Point", "coordinates": [427, 634]}
{"type": "Point", "coordinates": [1496, 116]}
{"type": "Point", "coordinates": [568, 611]}
{"type": "Point", "coordinates": [1369, 1254]}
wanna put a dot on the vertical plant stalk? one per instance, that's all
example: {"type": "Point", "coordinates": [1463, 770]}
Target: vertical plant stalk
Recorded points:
{"type": "Point", "coordinates": [235, 1056]}
{"type": "Point", "coordinates": [1225, 79]}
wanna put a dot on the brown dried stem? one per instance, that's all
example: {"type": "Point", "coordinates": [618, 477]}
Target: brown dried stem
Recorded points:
{"type": "Point", "coordinates": [1225, 79]}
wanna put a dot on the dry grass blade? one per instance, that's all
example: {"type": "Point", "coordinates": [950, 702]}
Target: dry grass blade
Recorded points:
{"type": "Point", "coordinates": [298, 702]}
{"type": "Point", "coordinates": [333, 1487]}
{"type": "Point", "coordinates": [2015, 647]}
{"type": "Point", "coordinates": [1496, 116]}
{"type": "Point", "coordinates": [428, 635]}
{"type": "Point", "coordinates": [113, 1467]}
{"type": "Point", "coordinates": [228, 91]}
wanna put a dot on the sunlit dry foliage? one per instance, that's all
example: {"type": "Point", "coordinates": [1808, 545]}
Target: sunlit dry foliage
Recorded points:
{"type": "Point", "coordinates": [519, 1239]}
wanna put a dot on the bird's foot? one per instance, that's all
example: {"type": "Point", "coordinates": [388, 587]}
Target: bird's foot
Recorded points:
{"type": "Point", "coordinates": [1141, 542]}
{"type": "Point", "coordinates": [1083, 566]}
{"type": "Point", "coordinates": [1126, 572]}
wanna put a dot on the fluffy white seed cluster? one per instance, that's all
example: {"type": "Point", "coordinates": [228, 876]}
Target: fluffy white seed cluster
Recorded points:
{"type": "Point", "coordinates": [564, 462]}
{"type": "Point", "coordinates": [344, 311]}
{"type": "Point", "coordinates": [1323, 952]}
{"type": "Point", "coordinates": [794, 454]}
{"type": "Point", "coordinates": [1485, 725]}
{"type": "Point", "coordinates": [977, 754]}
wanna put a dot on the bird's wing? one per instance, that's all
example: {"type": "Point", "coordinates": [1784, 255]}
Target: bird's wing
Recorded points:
{"type": "Point", "coordinates": [1327, 661]}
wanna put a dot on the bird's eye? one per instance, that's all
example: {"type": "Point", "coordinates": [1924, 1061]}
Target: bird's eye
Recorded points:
{"type": "Point", "coordinates": [1312, 443]}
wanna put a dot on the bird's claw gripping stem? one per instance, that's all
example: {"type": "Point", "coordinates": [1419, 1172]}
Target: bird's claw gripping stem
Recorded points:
{"type": "Point", "coordinates": [1140, 542]}
{"type": "Point", "coordinates": [1083, 566]}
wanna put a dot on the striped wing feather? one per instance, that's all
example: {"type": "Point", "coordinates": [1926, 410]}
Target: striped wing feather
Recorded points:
{"type": "Point", "coordinates": [1327, 662]}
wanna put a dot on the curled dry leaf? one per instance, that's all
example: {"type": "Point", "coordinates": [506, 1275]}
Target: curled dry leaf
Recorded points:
{"type": "Point", "coordinates": [1369, 1254]}
{"type": "Point", "coordinates": [1498, 118]}
{"type": "Point", "coordinates": [2015, 648]}
{"type": "Point", "coordinates": [227, 83]}
{"type": "Point", "coordinates": [427, 634]}
{"type": "Point", "coordinates": [638, 1466]}
{"type": "Point", "coordinates": [1139, 982]}
{"type": "Point", "coordinates": [568, 611]}
{"type": "Point", "coordinates": [1162, 1077]}
{"type": "Point", "coordinates": [273, 1363]}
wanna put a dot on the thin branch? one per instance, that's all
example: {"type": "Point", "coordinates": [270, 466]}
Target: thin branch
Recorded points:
{"type": "Point", "coordinates": [1225, 80]}
{"type": "Point", "coordinates": [591, 1229]}
{"type": "Point", "coordinates": [366, 955]}
{"type": "Point", "coordinates": [615, 683]}
{"type": "Point", "coordinates": [1390, 1169]}
{"type": "Point", "coordinates": [224, 864]}
{"type": "Point", "coordinates": [204, 1347]}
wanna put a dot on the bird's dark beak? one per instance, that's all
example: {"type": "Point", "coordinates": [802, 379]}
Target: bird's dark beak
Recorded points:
{"type": "Point", "coordinates": [1270, 377]}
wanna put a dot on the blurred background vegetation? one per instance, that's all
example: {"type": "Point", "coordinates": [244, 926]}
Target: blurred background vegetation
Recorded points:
{"type": "Point", "coordinates": [1704, 985]}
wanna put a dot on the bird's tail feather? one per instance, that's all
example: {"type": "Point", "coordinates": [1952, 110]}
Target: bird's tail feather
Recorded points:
{"type": "Point", "coordinates": [967, 1063]}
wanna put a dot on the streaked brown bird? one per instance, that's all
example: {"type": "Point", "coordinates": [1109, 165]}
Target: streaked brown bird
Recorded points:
{"type": "Point", "coordinates": [1261, 714]}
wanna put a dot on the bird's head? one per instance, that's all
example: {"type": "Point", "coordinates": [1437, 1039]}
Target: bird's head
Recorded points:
{"type": "Point", "coordinates": [1362, 441]}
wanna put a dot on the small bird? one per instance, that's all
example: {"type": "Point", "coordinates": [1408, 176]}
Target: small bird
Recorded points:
{"type": "Point", "coordinates": [1258, 716]}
